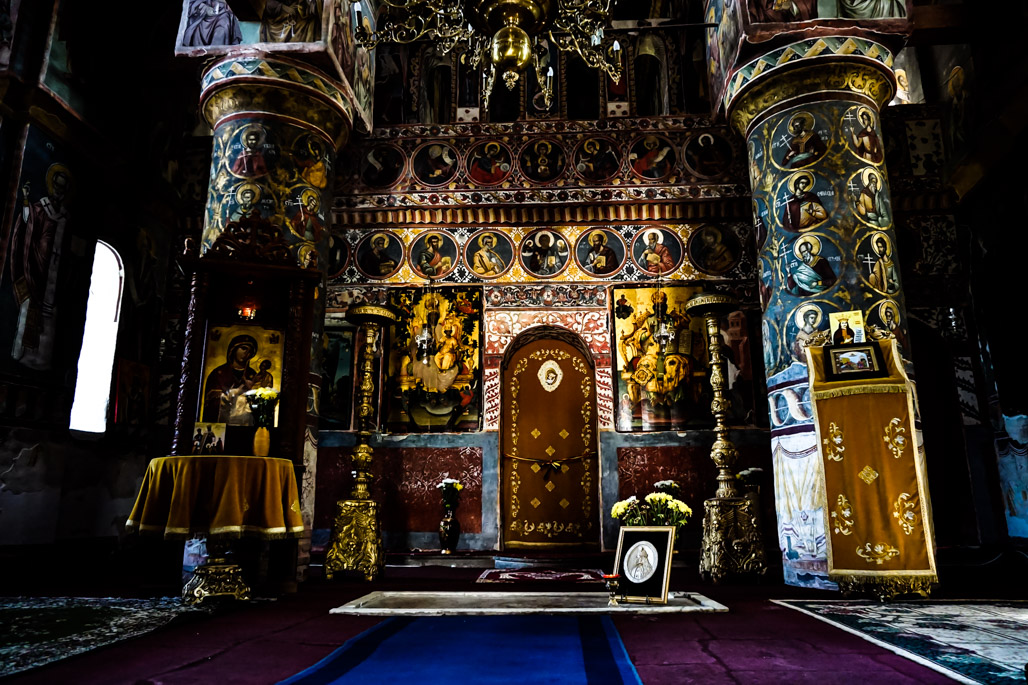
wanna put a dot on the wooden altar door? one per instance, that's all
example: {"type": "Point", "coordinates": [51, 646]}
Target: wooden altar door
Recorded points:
{"type": "Point", "coordinates": [549, 456]}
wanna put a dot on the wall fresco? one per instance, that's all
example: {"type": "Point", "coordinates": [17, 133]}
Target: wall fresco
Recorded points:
{"type": "Point", "coordinates": [554, 253]}
{"type": "Point", "coordinates": [406, 478]}
{"type": "Point", "coordinates": [503, 326]}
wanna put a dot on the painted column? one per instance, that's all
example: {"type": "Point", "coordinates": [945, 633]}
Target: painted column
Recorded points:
{"type": "Point", "coordinates": [826, 244]}
{"type": "Point", "coordinates": [278, 125]}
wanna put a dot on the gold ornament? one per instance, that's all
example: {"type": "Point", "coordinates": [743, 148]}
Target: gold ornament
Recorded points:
{"type": "Point", "coordinates": [895, 438]}
{"type": "Point", "coordinates": [843, 516]}
{"type": "Point", "coordinates": [904, 510]}
{"type": "Point", "coordinates": [877, 552]}
{"type": "Point", "coordinates": [833, 443]}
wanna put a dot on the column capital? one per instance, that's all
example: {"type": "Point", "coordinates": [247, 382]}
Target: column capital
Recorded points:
{"type": "Point", "coordinates": [255, 83]}
{"type": "Point", "coordinates": [831, 67]}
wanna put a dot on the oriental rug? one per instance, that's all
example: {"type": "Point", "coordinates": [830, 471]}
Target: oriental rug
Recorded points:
{"type": "Point", "coordinates": [37, 631]}
{"type": "Point", "coordinates": [970, 641]}
{"type": "Point", "coordinates": [569, 650]}
{"type": "Point", "coordinates": [509, 575]}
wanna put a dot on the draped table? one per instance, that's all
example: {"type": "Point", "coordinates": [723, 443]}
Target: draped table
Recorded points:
{"type": "Point", "coordinates": [878, 521]}
{"type": "Point", "coordinates": [224, 498]}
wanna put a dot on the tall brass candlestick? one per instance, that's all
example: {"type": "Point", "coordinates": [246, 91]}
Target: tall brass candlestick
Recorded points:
{"type": "Point", "coordinates": [356, 535]}
{"type": "Point", "coordinates": [731, 524]}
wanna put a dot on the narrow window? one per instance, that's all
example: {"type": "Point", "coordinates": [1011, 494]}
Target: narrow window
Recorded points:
{"type": "Point", "coordinates": [99, 338]}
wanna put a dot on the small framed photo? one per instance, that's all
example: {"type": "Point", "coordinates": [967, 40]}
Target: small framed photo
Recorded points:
{"type": "Point", "coordinates": [854, 362]}
{"type": "Point", "coordinates": [643, 563]}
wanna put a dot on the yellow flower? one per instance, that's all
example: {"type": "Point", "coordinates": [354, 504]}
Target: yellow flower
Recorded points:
{"type": "Point", "coordinates": [661, 497]}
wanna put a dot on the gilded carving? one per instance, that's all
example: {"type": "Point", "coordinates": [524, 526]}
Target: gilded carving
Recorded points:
{"type": "Point", "coordinates": [877, 553]}
{"type": "Point", "coordinates": [356, 542]}
{"type": "Point", "coordinates": [905, 511]}
{"type": "Point", "coordinates": [843, 516]}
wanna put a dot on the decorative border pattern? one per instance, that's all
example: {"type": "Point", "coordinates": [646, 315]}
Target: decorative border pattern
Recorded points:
{"type": "Point", "coordinates": [812, 48]}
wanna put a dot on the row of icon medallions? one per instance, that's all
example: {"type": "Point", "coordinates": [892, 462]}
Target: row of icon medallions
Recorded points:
{"type": "Point", "coordinates": [542, 253]}
{"type": "Point", "coordinates": [595, 160]}
{"type": "Point", "coordinates": [807, 136]}
{"type": "Point", "coordinates": [812, 263]}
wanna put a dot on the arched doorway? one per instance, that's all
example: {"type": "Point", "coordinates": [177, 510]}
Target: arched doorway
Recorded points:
{"type": "Point", "coordinates": [549, 465]}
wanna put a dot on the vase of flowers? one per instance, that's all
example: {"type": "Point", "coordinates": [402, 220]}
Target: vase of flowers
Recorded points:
{"type": "Point", "coordinates": [449, 527]}
{"type": "Point", "coordinates": [655, 509]}
{"type": "Point", "coordinates": [262, 403]}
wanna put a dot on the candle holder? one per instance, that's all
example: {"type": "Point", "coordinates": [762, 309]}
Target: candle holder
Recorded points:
{"type": "Point", "coordinates": [613, 589]}
{"type": "Point", "coordinates": [731, 523]}
{"type": "Point", "coordinates": [357, 534]}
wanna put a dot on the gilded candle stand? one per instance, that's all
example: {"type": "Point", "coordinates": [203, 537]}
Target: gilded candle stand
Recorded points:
{"type": "Point", "coordinates": [732, 542]}
{"type": "Point", "coordinates": [357, 535]}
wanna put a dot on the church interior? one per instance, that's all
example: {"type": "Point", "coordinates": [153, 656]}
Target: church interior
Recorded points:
{"type": "Point", "coordinates": [303, 300]}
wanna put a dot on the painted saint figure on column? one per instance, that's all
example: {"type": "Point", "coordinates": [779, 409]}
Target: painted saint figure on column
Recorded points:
{"type": "Point", "coordinates": [812, 274]}
{"type": "Point", "coordinates": [803, 209]}
{"type": "Point", "coordinates": [884, 274]}
{"type": "Point", "coordinates": [865, 140]}
{"type": "Point", "coordinates": [307, 223]}
{"type": "Point", "coordinates": [869, 201]}
{"type": "Point", "coordinates": [805, 144]}
{"type": "Point", "coordinates": [251, 163]}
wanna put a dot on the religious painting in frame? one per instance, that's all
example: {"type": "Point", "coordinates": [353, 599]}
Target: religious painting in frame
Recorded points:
{"type": "Point", "coordinates": [643, 563]}
{"type": "Point", "coordinates": [714, 250]}
{"type": "Point", "coordinates": [237, 360]}
{"type": "Point", "coordinates": [489, 163]}
{"type": "Point", "coordinates": [658, 389]}
{"type": "Point", "coordinates": [208, 438]}
{"type": "Point", "coordinates": [434, 365]}
{"type": "Point", "coordinates": [854, 362]}
{"type": "Point", "coordinates": [382, 166]}
{"type": "Point", "coordinates": [434, 164]}
{"type": "Point", "coordinates": [846, 327]}
{"type": "Point", "coordinates": [652, 158]}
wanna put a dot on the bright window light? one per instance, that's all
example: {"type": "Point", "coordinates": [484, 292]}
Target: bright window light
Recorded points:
{"type": "Point", "coordinates": [96, 360]}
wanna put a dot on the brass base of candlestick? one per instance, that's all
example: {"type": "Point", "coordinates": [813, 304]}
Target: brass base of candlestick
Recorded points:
{"type": "Point", "coordinates": [356, 540]}
{"type": "Point", "coordinates": [215, 578]}
{"type": "Point", "coordinates": [732, 542]}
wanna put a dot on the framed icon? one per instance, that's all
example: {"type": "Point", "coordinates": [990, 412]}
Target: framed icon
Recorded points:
{"type": "Point", "coordinates": [854, 362]}
{"type": "Point", "coordinates": [643, 562]}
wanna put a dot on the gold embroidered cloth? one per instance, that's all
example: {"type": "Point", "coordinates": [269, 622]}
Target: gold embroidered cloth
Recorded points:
{"type": "Point", "coordinates": [219, 496]}
{"type": "Point", "coordinates": [878, 524]}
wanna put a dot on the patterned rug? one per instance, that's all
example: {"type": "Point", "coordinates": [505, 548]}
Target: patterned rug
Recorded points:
{"type": "Point", "coordinates": [970, 641]}
{"type": "Point", "coordinates": [37, 631]}
{"type": "Point", "coordinates": [507, 575]}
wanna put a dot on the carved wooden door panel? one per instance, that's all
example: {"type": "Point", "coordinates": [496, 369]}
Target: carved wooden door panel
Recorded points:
{"type": "Point", "coordinates": [549, 457]}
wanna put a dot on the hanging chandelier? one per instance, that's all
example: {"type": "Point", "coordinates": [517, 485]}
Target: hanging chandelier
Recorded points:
{"type": "Point", "coordinates": [503, 36]}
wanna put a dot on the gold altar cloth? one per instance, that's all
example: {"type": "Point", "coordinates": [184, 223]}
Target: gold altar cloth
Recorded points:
{"type": "Point", "coordinates": [878, 523]}
{"type": "Point", "coordinates": [220, 496]}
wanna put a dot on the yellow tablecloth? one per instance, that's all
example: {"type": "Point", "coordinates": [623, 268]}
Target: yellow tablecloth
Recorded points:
{"type": "Point", "coordinates": [219, 496]}
{"type": "Point", "coordinates": [878, 521]}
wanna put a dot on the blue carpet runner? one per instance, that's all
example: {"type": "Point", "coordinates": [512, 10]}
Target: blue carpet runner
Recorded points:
{"type": "Point", "coordinates": [484, 650]}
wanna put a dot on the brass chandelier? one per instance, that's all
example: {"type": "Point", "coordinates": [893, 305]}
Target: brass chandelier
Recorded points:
{"type": "Point", "coordinates": [502, 35]}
